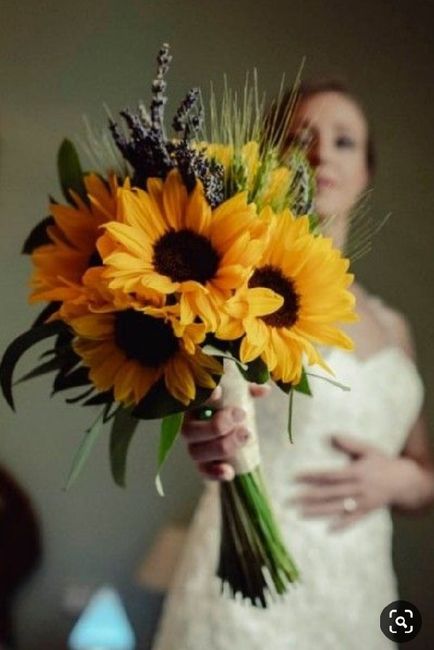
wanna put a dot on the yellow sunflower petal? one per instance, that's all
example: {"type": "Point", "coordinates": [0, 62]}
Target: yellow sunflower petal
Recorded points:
{"type": "Point", "coordinates": [174, 200]}
{"type": "Point", "coordinates": [256, 332]}
{"type": "Point", "coordinates": [229, 328]}
{"type": "Point", "coordinates": [198, 211]}
{"type": "Point", "coordinates": [201, 375]}
{"type": "Point", "coordinates": [249, 351]}
{"type": "Point", "coordinates": [263, 301]}
{"type": "Point", "coordinates": [179, 380]}
{"type": "Point", "coordinates": [95, 326]}
{"type": "Point", "coordinates": [132, 239]}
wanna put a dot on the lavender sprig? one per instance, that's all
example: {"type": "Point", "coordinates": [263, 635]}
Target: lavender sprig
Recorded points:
{"type": "Point", "coordinates": [186, 121]}
{"type": "Point", "coordinates": [152, 154]}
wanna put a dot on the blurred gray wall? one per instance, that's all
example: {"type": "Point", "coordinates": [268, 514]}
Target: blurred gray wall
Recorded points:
{"type": "Point", "coordinates": [59, 60]}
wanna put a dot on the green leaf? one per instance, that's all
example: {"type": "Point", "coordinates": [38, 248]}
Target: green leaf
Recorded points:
{"type": "Point", "coordinates": [42, 369]}
{"type": "Point", "coordinates": [83, 451]}
{"type": "Point", "coordinates": [64, 341]}
{"type": "Point", "coordinates": [46, 313]}
{"type": "Point", "coordinates": [122, 431]}
{"type": "Point", "coordinates": [73, 379]}
{"type": "Point", "coordinates": [111, 411]}
{"type": "Point", "coordinates": [170, 427]}
{"type": "Point", "coordinates": [70, 172]}
{"type": "Point", "coordinates": [81, 396]}
{"type": "Point", "coordinates": [105, 397]}
{"type": "Point", "coordinates": [38, 236]}
{"type": "Point", "coordinates": [17, 348]}
{"type": "Point", "coordinates": [290, 405]}
{"type": "Point", "coordinates": [303, 384]}
{"type": "Point", "coordinates": [256, 372]}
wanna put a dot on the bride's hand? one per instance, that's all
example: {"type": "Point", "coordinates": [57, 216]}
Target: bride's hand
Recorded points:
{"type": "Point", "coordinates": [371, 480]}
{"type": "Point", "coordinates": [212, 442]}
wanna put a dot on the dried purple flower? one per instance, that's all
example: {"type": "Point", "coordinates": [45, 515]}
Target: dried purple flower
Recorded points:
{"type": "Point", "coordinates": [151, 154]}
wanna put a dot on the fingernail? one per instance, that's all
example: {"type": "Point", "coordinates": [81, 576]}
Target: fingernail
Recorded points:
{"type": "Point", "coordinates": [238, 414]}
{"type": "Point", "coordinates": [228, 474]}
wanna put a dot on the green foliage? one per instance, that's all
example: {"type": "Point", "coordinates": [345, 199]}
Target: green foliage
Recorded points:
{"type": "Point", "coordinates": [303, 384]}
{"type": "Point", "coordinates": [17, 348]}
{"type": "Point", "coordinates": [256, 371]}
{"type": "Point", "coordinates": [70, 172]}
{"type": "Point", "coordinates": [45, 314]}
{"type": "Point", "coordinates": [38, 236]}
{"type": "Point", "coordinates": [170, 427]}
{"type": "Point", "coordinates": [122, 432]}
{"type": "Point", "coordinates": [86, 446]}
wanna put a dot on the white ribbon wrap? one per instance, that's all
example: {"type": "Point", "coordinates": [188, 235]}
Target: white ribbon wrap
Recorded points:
{"type": "Point", "coordinates": [235, 392]}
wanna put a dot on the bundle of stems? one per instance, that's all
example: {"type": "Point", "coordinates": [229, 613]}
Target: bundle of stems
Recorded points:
{"type": "Point", "coordinates": [253, 558]}
{"type": "Point", "coordinates": [254, 561]}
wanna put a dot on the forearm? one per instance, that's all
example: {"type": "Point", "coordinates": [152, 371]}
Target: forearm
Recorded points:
{"type": "Point", "coordinates": [414, 487]}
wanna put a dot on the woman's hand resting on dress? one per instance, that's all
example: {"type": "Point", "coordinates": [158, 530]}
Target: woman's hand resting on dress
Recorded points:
{"type": "Point", "coordinates": [371, 480]}
{"type": "Point", "coordinates": [212, 442]}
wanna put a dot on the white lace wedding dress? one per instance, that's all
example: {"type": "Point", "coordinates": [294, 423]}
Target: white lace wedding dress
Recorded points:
{"type": "Point", "coordinates": [347, 577]}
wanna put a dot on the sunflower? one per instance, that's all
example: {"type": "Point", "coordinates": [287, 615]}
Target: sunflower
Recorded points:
{"type": "Point", "coordinates": [129, 351]}
{"type": "Point", "coordinates": [93, 296]}
{"type": "Point", "coordinates": [170, 242]}
{"type": "Point", "coordinates": [310, 278]}
{"type": "Point", "coordinates": [61, 264]}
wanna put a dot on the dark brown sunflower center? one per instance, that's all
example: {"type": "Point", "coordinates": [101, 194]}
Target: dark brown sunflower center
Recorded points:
{"type": "Point", "coordinates": [272, 278]}
{"type": "Point", "coordinates": [185, 255]}
{"type": "Point", "coordinates": [148, 340]}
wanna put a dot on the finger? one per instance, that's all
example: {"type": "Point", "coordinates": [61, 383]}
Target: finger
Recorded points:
{"type": "Point", "coordinates": [328, 477]}
{"type": "Point", "coordinates": [351, 446]}
{"type": "Point", "coordinates": [222, 422]}
{"type": "Point", "coordinates": [216, 395]}
{"type": "Point", "coordinates": [317, 495]}
{"type": "Point", "coordinates": [259, 390]}
{"type": "Point", "coordinates": [216, 471]}
{"type": "Point", "coordinates": [347, 520]}
{"type": "Point", "coordinates": [222, 448]}
{"type": "Point", "coordinates": [328, 509]}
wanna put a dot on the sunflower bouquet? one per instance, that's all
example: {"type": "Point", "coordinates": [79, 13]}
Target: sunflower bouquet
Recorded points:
{"type": "Point", "coordinates": [179, 264]}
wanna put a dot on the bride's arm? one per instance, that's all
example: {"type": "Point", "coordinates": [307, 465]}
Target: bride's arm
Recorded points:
{"type": "Point", "coordinates": [373, 479]}
{"type": "Point", "coordinates": [417, 492]}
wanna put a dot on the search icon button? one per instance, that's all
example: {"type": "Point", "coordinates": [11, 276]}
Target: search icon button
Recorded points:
{"type": "Point", "coordinates": [400, 621]}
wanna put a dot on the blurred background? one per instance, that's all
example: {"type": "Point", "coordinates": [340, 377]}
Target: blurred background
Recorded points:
{"type": "Point", "coordinates": [61, 60]}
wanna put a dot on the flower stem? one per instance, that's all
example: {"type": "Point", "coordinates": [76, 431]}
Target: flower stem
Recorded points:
{"type": "Point", "coordinates": [253, 559]}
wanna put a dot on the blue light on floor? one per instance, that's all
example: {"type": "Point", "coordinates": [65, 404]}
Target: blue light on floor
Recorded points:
{"type": "Point", "coordinates": [103, 625]}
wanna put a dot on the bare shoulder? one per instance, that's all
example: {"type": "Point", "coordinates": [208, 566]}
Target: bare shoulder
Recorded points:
{"type": "Point", "coordinates": [396, 325]}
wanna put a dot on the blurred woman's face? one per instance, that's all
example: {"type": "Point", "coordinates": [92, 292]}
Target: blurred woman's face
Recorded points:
{"type": "Point", "coordinates": [334, 131]}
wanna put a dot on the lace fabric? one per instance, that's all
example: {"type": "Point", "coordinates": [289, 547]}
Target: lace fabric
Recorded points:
{"type": "Point", "coordinates": [347, 577]}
